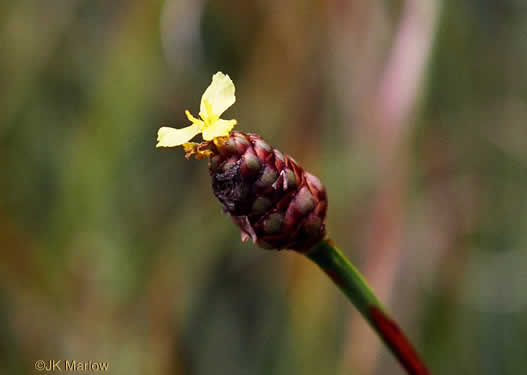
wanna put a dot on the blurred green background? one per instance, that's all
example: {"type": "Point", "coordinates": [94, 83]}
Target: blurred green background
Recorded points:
{"type": "Point", "coordinates": [413, 113]}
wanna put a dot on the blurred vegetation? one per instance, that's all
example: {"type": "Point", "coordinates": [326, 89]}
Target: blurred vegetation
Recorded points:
{"type": "Point", "coordinates": [113, 250]}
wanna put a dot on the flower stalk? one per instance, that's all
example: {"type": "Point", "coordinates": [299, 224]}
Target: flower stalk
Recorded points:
{"type": "Point", "coordinates": [331, 260]}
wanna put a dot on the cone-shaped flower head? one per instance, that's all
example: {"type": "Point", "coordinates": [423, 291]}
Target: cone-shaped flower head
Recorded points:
{"type": "Point", "coordinates": [268, 195]}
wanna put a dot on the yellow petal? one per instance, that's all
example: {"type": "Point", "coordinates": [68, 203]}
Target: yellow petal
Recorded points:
{"type": "Point", "coordinates": [220, 128]}
{"type": "Point", "coordinates": [220, 94]}
{"type": "Point", "coordinates": [170, 137]}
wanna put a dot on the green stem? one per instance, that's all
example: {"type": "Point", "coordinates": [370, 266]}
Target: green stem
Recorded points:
{"type": "Point", "coordinates": [350, 281]}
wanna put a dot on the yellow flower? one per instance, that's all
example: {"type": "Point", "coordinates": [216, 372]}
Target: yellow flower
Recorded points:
{"type": "Point", "coordinates": [215, 100]}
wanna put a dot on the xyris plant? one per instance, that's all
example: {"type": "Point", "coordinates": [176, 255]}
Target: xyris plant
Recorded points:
{"type": "Point", "coordinates": [277, 204]}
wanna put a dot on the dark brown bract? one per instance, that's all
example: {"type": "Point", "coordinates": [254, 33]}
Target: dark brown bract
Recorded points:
{"type": "Point", "coordinates": [269, 196]}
